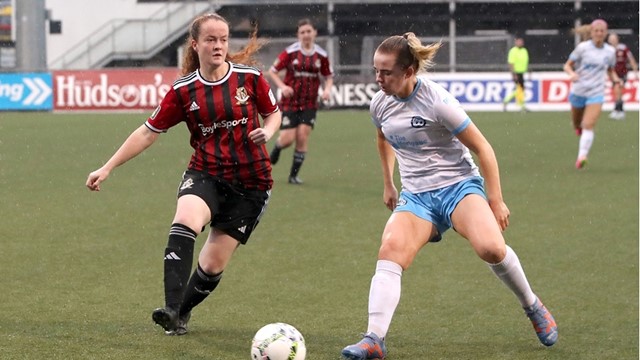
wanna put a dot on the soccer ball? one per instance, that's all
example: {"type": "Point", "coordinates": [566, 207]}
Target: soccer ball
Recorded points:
{"type": "Point", "coordinates": [278, 341]}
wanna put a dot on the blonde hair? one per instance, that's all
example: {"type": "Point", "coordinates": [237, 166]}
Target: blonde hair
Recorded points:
{"type": "Point", "coordinates": [190, 60]}
{"type": "Point", "coordinates": [584, 31]}
{"type": "Point", "coordinates": [410, 52]}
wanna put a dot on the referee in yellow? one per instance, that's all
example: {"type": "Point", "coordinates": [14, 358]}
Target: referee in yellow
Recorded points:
{"type": "Point", "coordinates": [518, 60]}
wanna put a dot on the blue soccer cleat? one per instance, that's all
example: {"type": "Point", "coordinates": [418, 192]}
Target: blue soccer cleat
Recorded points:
{"type": "Point", "coordinates": [371, 347]}
{"type": "Point", "coordinates": [543, 323]}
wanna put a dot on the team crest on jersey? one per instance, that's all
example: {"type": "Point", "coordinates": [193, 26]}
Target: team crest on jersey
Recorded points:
{"type": "Point", "coordinates": [317, 64]}
{"type": "Point", "coordinates": [241, 96]}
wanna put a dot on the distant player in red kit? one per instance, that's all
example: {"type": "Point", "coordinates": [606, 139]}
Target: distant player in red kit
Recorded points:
{"type": "Point", "coordinates": [305, 62]}
{"type": "Point", "coordinates": [227, 183]}
{"type": "Point", "coordinates": [623, 56]}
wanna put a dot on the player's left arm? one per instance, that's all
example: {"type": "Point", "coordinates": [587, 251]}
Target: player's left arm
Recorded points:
{"type": "Point", "coordinates": [613, 76]}
{"type": "Point", "coordinates": [473, 139]}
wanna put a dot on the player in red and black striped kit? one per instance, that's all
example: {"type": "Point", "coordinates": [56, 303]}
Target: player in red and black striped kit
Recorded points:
{"type": "Point", "coordinates": [623, 57]}
{"type": "Point", "coordinates": [228, 181]}
{"type": "Point", "coordinates": [305, 63]}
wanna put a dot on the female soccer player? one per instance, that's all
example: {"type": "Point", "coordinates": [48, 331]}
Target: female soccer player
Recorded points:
{"type": "Point", "coordinates": [430, 134]}
{"type": "Point", "coordinates": [587, 66]}
{"type": "Point", "coordinates": [624, 56]}
{"type": "Point", "coordinates": [227, 183]}
{"type": "Point", "coordinates": [305, 62]}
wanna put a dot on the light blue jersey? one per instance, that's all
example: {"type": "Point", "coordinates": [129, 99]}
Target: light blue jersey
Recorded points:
{"type": "Point", "coordinates": [591, 64]}
{"type": "Point", "coordinates": [421, 129]}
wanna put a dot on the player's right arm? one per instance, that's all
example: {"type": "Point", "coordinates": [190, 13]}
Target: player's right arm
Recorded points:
{"type": "Point", "coordinates": [274, 74]}
{"type": "Point", "coordinates": [388, 160]}
{"type": "Point", "coordinates": [137, 142]}
{"type": "Point", "coordinates": [568, 68]}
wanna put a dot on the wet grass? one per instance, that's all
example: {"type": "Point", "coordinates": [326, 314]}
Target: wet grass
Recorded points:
{"type": "Point", "coordinates": [82, 271]}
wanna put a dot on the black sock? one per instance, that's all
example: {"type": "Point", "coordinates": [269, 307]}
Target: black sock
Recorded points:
{"type": "Point", "coordinates": [178, 258]}
{"type": "Point", "coordinates": [200, 286]}
{"type": "Point", "coordinates": [619, 105]}
{"type": "Point", "coordinates": [275, 153]}
{"type": "Point", "coordinates": [298, 159]}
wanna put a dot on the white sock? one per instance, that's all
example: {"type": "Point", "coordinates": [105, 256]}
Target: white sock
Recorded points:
{"type": "Point", "coordinates": [511, 273]}
{"type": "Point", "coordinates": [586, 140]}
{"type": "Point", "coordinates": [384, 296]}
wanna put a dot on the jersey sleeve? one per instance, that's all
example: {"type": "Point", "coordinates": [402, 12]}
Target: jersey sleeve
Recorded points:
{"type": "Point", "coordinates": [281, 62]}
{"type": "Point", "coordinates": [265, 100]}
{"type": "Point", "coordinates": [374, 109]}
{"type": "Point", "coordinates": [512, 56]}
{"type": "Point", "coordinates": [168, 114]}
{"type": "Point", "coordinates": [450, 113]}
{"type": "Point", "coordinates": [325, 67]}
{"type": "Point", "coordinates": [576, 54]}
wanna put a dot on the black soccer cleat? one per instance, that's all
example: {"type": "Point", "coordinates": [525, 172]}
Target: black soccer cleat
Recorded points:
{"type": "Point", "coordinates": [295, 180]}
{"type": "Point", "coordinates": [181, 328]}
{"type": "Point", "coordinates": [166, 318]}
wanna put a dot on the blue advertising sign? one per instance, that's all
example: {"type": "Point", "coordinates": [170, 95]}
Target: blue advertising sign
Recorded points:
{"type": "Point", "coordinates": [26, 91]}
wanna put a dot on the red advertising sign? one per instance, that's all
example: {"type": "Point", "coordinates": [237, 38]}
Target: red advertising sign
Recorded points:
{"type": "Point", "coordinates": [117, 89]}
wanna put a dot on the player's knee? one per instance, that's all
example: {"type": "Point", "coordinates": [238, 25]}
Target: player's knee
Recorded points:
{"type": "Point", "coordinates": [492, 253]}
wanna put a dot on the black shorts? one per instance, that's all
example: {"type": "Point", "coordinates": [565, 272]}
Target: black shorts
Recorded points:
{"type": "Point", "coordinates": [520, 79]}
{"type": "Point", "coordinates": [234, 210]}
{"type": "Point", "coordinates": [291, 119]}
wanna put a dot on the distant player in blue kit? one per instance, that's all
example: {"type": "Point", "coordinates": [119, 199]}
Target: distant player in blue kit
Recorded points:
{"type": "Point", "coordinates": [588, 65]}
{"type": "Point", "coordinates": [425, 128]}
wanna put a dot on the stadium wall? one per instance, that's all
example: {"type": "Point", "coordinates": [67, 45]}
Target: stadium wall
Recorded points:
{"type": "Point", "coordinates": [142, 90]}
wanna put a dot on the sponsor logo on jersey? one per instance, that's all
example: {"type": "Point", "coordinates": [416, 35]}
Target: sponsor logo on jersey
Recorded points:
{"type": "Point", "coordinates": [228, 124]}
{"type": "Point", "coordinates": [418, 122]}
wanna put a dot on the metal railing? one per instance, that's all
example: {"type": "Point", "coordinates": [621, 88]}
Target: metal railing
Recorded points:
{"type": "Point", "coordinates": [131, 39]}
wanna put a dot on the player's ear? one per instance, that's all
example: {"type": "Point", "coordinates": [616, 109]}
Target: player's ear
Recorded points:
{"type": "Point", "coordinates": [409, 72]}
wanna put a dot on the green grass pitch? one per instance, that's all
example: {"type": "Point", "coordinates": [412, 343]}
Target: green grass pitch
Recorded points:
{"type": "Point", "coordinates": [82, 271]}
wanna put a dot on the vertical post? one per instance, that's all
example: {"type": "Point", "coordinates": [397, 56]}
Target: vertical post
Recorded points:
{"type": "Point", "coordinates": [577, 22]}
{"type": "Point", "coordinates": [452, 36]}
{"type": "Point", "coordinates": [31, 42]}
{"type": "Point", "coordinates": [331, 33]}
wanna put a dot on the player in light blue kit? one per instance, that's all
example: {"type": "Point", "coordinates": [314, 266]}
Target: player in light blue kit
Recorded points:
{"type": "Point", "coordinates": [588, 65]}
{"type": "Point", "coordinates": [430, 134]}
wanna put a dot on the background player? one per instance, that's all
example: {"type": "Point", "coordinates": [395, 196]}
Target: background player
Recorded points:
{"type": "Point", "coordinates": [305, 62]}
{"type": "Point", "coordinates": [518, 60]}
{"type": "Point", "coordinates": [624, 56]}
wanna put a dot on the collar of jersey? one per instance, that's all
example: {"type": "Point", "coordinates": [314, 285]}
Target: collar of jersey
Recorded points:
{"type": "Point", "coordinates": [224, 78]}
{"type": "Point", "coordinates": [413, 93]}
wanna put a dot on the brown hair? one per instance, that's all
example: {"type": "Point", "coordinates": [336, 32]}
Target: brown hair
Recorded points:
{"type": "Point", "coordinates": [305, 21]}
{"type": "Point", "coordinates": [190, 60]}
{"type": "Point", "coordinates": [410, 52]}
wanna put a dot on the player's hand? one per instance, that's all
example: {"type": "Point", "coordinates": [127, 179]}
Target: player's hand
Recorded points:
{"type": "Point", "coordinates": [326, 95]}
{"type": "Point", "coordinates": [95, 178]}
{"type": "Point", "coordinates": [260, 136]}
{"type": "Point", "coordinates": [390, 197]}
{"type": "Point", "coordinates": [574, 77]}
{"type": "Point", "coordinates": [501, 212]}
{"type": "Point", "coordinates": [287, 91]}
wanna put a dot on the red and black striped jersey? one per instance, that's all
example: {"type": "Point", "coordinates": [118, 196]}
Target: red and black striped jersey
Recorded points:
{"type": "Point", "coordinates": [303, 70]}
{"type": "Point", "coordinates": [220, 115]}
{"type": "Point", "coordinates": [622, 57]}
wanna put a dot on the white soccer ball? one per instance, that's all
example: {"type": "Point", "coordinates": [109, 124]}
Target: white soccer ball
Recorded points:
{"type": "Point", "coordinates": [278, 341]}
